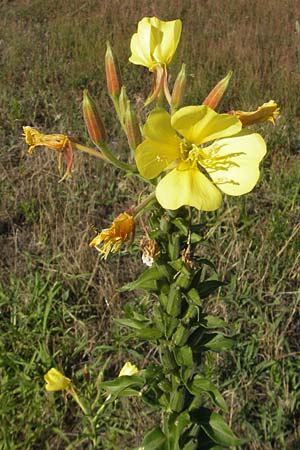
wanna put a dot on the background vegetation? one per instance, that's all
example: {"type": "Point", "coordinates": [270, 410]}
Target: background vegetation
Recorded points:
{"type": "Point", "coordinates": [58, 300]}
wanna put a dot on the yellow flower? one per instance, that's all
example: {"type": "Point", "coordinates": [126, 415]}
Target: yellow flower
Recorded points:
{"type": "Point", "coordinates": [112, 238]}
{"type": "Point", "coordinates": [202, 151]}
{"type": "Point", "coordinates": [128, 369]}
{"type": "Point", "coordinates": [268, 111]}
{"type": "Point", "coordinates": [155, 42]}
{"type": "Point", "coordinates": [56, 381]}
{"type": "Point", "coordinates": [53, 141]}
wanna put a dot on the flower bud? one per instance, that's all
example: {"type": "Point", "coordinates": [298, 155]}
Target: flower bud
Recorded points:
{"type": "Point", "coordinates": [178, 89]}
{"type": "Point", "coordinates": [123, 103]}
{"type": "Point", "coordinates": [92, 119]}
{"type": "Point", "coordinates": [132, 128]}
{"type": "Point", "coordinates": [113, 75]}
{"type": "Point", "coordinates": [217, 92]}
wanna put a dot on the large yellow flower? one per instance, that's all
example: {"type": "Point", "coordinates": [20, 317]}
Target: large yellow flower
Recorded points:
{"type": "Point", "coordinates": [203, 152]}
{"type": "Point", "coordinates": [155, 42]}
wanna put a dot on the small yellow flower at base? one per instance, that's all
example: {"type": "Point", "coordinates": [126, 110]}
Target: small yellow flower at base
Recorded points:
{"type": "Point", "coordinates": [111, 239]}
{"type": "Point", "coordinates": [53, 141]}
{"type": "Point", "coordinates": [128, 370]}
{"type": "Point", "coordinates": [155, 42]}
{"type": "Point", "coordinates": [268, 111]}
{"type": "Point", "coordinates": [56, 381]}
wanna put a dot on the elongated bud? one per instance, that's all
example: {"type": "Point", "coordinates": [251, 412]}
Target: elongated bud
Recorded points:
{"type": "Point", "coordinates": [113, 74]}
{"type": "Point", "coordinates": [217, 92]}
{"type": "Point", "coordinates": [178, 89]}
{"type": "Point", "coordinates": [123, 103]}
{"type": "Point", "coordinates": [132, 128]}
{"type": "Point", "coordinates": [92, 119]}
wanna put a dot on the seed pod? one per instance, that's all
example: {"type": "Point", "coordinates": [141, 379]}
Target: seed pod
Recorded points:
{"type": "Point", "coordinates": [181, 335]}
{"type": "Point", "coordinates": [177, 399]}
{"type": "Point", "coordinates": [173, 307]}
{"type": "Point", "coordinates": [192, 444]}
{"type": "Point", "coordinates": [167, 359]}
{"type": "Point", "coordinates": [174, 247]}
{"type": "Point", "coordinates": [184, 280]}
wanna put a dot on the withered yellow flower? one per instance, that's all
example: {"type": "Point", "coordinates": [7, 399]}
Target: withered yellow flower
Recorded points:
{"type": "Point", "coordinates": [56, 381]}
{"type": "Point", "coordinates": [128, 370]}
{"type": "Point", "coordinates": [268, 111]}
{"type": "Point", "coordinates": [59, 142]}
{"type": "Point", "coordinates": [53, 141]}
{"type": "Point", "coordinates": [111, 239]}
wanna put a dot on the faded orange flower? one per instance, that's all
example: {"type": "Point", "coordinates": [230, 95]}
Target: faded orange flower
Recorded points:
{"type": "Point", "coordinates": [111, 239]}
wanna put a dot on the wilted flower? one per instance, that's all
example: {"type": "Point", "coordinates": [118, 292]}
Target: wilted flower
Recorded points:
{"type": "Point", "coordinates": [58, 142]}
{"type": "Point", "coordinates": [150, 251]}
{"type": "Point", "coordinates": [111, 239]}
{"type": "Point", "coordinates": [268, 111]}
{"type": "Point", "coordinates": [53, 141]}
{"type": "Point", "coordinates": [155, 42]}
{"type": "Point", "coordinates": [56, 381]}
{"type": "Point", "coordinates": [213, 152]}
{"type": "Point", "coordinates": [128, 369]}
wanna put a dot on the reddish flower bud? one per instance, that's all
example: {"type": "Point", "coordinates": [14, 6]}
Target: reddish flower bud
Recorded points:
{"type": "Point", "coordinates": [92, 119]}
{"type": "Point", "coordinates": [113, 75]}
{"type": "Point", "coordinates": [217, 92]}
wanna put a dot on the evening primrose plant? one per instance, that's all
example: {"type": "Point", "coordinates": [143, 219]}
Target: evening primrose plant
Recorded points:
{"type": "Point", "coordinates": [187, 156]}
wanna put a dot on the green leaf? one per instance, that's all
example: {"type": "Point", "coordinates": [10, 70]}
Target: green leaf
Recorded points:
{"type": "Point", "coordinates": [213, 322]}
{"type": "Point", "coordinates": [150, 332]}
{"type": "Point", "coordinates": [148, 279]}
{"type": "Point", "coordinates": [116, 386]}
{"type": "Point", "coordinates": [214, 427]}
{"type": "Point", "coordinates": [154, 440]}
{"type": "Point", "coordinates": [184, 356]}
{"type": "Point", "coordinates": [205, 288]}
{"type": "Point", "coordinates": [216, 342]}
{"type": "Point", "coordinates": [217, 429]}
{"type": "Point", "coordinates": [200, 384]}
{"type": "Point", "coordinates": [180, 223]}
{"type": "Point", "coordinates": [131, 323]}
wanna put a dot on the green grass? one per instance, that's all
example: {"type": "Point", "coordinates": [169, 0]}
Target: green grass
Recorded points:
{"type": "Point", "coordinates": [58, 300]}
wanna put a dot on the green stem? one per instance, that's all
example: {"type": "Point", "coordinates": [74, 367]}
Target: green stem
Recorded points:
{"type": "Point", "coordinates": [142, 206]}
{"type": "Point", "coordinates": [114, 160]}
{"type": "Point", "coordinates": [89, 150]}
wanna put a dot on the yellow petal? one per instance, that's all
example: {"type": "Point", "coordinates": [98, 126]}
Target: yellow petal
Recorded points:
{"type": "Point", "coordinates": [200, 124]}
{"type": "Point", "coordinates": [128, 369]}
{"type": "Point", "coordinates": [166, 41]}
{"type": "Point", "coordinates": [140, 45]}
{"type": "Point", "coordinates": [238, 158]}
{"type": "Point", "coordinates": [188, 187]}
{"type": "Point", "coordinates": [161, 146]}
